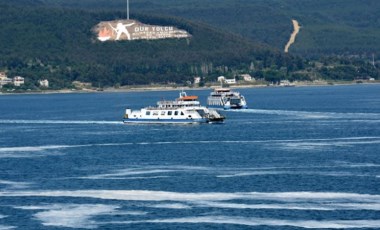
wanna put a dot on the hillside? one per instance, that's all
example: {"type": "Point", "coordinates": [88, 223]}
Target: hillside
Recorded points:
{"type": "Point", "coordinates": [347, 27]}
{"type": "Point", "coordinates": [38, 41]}
{"type": "Point", "coordinates": [58, 44]}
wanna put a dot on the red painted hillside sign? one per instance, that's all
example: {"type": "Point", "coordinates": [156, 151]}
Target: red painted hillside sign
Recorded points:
{"type": "Point", "coordinates": [134, 30]}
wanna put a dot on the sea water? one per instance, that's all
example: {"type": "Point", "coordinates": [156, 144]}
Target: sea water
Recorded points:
{"type": "Point", "coordinates": [299, 157]}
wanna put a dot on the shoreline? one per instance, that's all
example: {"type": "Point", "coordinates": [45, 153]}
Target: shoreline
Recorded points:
{"type": "Point", "coordinates": [172, 88]}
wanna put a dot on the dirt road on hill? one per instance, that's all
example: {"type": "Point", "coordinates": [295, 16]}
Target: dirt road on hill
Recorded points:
{"type": "Point", "coordinates": [293, 35]}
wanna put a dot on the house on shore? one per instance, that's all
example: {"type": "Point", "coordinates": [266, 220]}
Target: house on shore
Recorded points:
{"type": "Point", "coordinates": [197, 80]}
{"type": "Point", "coordinates": [221, 79]}
{"type": "Point", "coordinates": [18, 81]}
{"type": "Point", "coordinates": [230, 81]}
{"type": "Point", "coordinates": [247, 77]}
{"type": "Point", "coordinates": [4, 80]}
{"type": "Point", "coordinates": [44, 83]}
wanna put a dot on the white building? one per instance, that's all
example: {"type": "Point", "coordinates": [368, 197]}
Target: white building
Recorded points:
{"type": "Point", "coordinates": [44, 83]}
{"type": "Point", "coordinates": [286, 83]}
{"type": "Point", "coordinates": [247, 77]}
{"type": "Point", "coordinates": [197, 80]}
{"type": "Point", "coordinates": [230, 81]}
{"type": "Point", "coordinates": [221, 79]}
{"type": "Point", "coordinates": [80, 84]}
{"type": "Point", "coordinates": [18, 81]}
{"type": "Point", "coordinates": [4, 79]}
{"type": "Point", "coordinates": [3, 75]}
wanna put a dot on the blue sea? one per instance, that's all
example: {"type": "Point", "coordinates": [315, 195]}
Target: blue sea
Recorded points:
{"type": "Point", "coordinates": [298, 158]}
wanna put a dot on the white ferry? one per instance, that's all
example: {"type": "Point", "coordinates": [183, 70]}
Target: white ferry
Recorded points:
{"type": "Point", "coordinates": [227, 99]}
{"type": "Point", "coordinates": [184, 110]}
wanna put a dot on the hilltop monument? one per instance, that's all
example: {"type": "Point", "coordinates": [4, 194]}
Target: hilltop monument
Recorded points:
{"type": "Point", "coordinates": [134, 30]}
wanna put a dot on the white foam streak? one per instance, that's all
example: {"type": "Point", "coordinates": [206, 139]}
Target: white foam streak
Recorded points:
{"type": "Point", "coordinates": [3, 227]}
{"type": "Point", "coordinates": [313, 115]}
{"type": "Point", "coordinates": [295, 206]}
{"type": "Point", "coordinates": [321, 145]}
{"type": "Point", "coordinates": [319, 173]}
{"type": "Point", "coordinates": [32, 207]}
{"type": "Point", "coordinates": [15, 185]}
{"type": "Point", "coordinates": [66, 206]}
{"type": "Point", "coordinates": [147, 195]}
{"type": "Point", "coordinates": [170, 206]}
{"type": "Point", "coordinates": [38, 148]}
{"type": "Point", "coordinates": [296, 170]}
{"type": "Point", "coordinates": [254, 173]}
{"type": "Point", "coordinates": [331, 224]}
{"type": "Point", "coordinates": [127, 213]}
{"type": "Point", "coordinates": [362, 165]}
{"type": "Point", "coordinates": [122, 174]}
{"type": "Point", "coordinates": [134, 195]}
{"type": "Point", "coordinates": [291, 206]}
{"type": "Point", "coordinates": [3, 121]}
{"type": "Point", "coordinates": [135, 178]}
{"type": "Point", "coordinates": [225, 172]}
{"type": "Point", "coordinates": [291, 143]}
{"type": "Point", "coordinates": [72, 215]}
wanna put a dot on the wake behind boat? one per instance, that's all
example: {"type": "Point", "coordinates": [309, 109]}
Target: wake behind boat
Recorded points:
{"type": "Point", "coordinates": [227, 99]}
{"type": "Point", "coordinates": [183, 110]}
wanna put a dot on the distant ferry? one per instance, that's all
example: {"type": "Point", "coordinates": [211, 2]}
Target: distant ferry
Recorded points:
{"type": "Point", "coordinates": [227, 99]}
{"type": "Point", "coordinates": [183, 110]}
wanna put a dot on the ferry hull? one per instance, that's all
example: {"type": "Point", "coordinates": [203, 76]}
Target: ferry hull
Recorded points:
{"type": "Point", "coordinates": [228, 107]}
{"type": "Point", "coordinates": [165, 121]}
{"type": "Point", "coordinates": [235, 107]}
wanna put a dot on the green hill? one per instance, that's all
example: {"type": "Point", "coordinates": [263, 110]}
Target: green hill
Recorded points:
{"type": "Point", "coordinates": [328, 26]}
{"type": "Point", "coordinates": [58, 44]}
{"type": "Point", "coordinates": [38, 41]}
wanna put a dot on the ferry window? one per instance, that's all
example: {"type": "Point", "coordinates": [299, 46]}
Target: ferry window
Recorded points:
{"type": "Point", "coordinates": [155, 113]}
{"type": "Point", "coordinates": [176, 113]}
{"type": "Point", "coordinates": [162, 112]}
{"type": "Point", "coordinates": [182, 113]}
{"type": "Point", "coordinates": [235, 101]}
{"type": "Point", "coordinates": [169, 113]}
{"type": "Point", "coordinates": [147, 113]}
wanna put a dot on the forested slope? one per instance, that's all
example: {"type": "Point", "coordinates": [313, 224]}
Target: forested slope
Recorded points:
{"type": "Point", "coordinates": [58, 44]}
{"type": "Point", "coordinates": [347, 27]}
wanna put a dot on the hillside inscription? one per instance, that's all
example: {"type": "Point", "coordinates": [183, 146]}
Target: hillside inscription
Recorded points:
{"type": "Point", "coordinates": [134, 30]}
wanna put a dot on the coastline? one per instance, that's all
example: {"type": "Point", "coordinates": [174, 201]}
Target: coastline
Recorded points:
{"type": "Point", "coordinates": [174, 88]}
